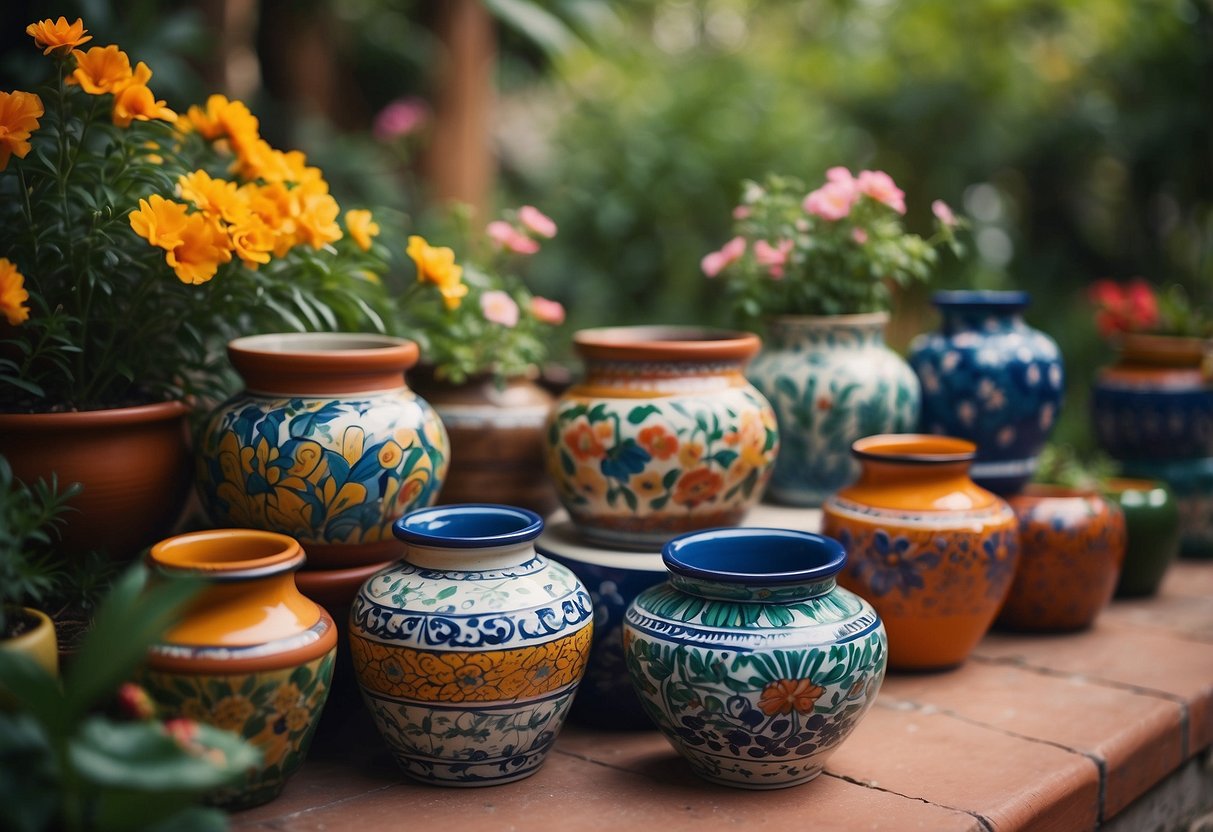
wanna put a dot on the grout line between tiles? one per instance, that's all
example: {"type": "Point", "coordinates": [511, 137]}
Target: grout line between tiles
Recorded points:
{"type": "Point", "coordinates": [981, 819]}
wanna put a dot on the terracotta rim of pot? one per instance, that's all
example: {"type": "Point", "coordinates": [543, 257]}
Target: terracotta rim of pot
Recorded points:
{"type": "Point", "coordinates": [1168, 350]}
{"type": "Point", "coordinates": [228, 554]}
{"type": "Point", "coordinates": [776, 556]}
{"type": "Point", "coordinates": [106, 417]}
{"type": "Point", "coordinates": [913, 449]}
{"type": "Point", "coordinates": [322, 363]}
{"type": "Point", "coordinates": [1120, 485]}
{"type": "Point", "coordinates": [665, 343]}
{"type": "Point", "coordinates": [1002, 300]}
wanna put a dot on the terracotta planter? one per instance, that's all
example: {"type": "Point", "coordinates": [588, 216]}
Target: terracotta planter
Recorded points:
{"type": "Point", "coordinates": [327, 445]}
{"type": "Point", "coordinates": [933, 552]}
{"type": "Point", "coordinates": [1151, 533]}
{"type": "Point", "coordinates": [251, 655]}
{"type": "Point", "coordinates": [496, 433]}
{"type": "Point", "coordinates": [663, 436]}
{"type": "Point", "coordinates": [132, 461]}
{"type": "Point", "coordinates": [37, 643]}
{"type": "Point", "coordinates": [1072, 545]}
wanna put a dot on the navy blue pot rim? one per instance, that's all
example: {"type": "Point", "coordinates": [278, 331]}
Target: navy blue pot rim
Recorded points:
{"type": "Point", "coordinates": [468, 526]}
{"type": "Point", "coordinates": [987, 298]}
{"type": "Point", "coordinates": [712, 555]}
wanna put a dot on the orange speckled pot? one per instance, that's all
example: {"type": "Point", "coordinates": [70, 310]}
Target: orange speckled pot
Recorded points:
{"type": "Point", "coordinates": [932, 551]}
{"type": "Point", "coordinates": [1073, 547]}
{"type": "Point", "coordinates": [252, 655]}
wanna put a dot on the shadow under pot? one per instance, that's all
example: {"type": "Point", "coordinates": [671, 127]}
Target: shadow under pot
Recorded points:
{"type": "Point", "coordinates": [932, 551]}
{"type": "Point", "coordinates": [251, 655]}
{"type": "Point", "coordinates": [1072, 545]}
{"type": "Point", "coordinates": [469, 650]}
{"type": "Point", "coordinates": [1151, 533]}
{"type": "Point", "coordinates": [325, 444]}
{"type": "Point", "coordinates": [664, 435]}
{"type": "Point", "coordinates": [751, 661]}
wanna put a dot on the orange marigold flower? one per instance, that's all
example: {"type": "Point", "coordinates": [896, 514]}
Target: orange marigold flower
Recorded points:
{"type": "Point", "coordinates": [101, 70]}
{"type": "Point", "coordinates": [252, 241]}
{"type": "Point", "coordinates": [19, 114]}
{"type": "Point", "coordinates": [215, 197]}
{"type": "Point", "coordinates": [362, 227]}
{"type": "Point", "coordinates": [13, 295]}
{"type": "Point", "coordinates": [160, 221]}
{"type": "Point", "coordinates": [317, 221]}
{"type": "Point", "coordinates": [223, 119]}
{"type": "Point", "coordinates": [136, 102]}
{"type": "Point", "coordinates": [58, 36]}
{"type": "Point", "coordinates": [698, 486]}
{"type": "Point", "coordinates": [203, 247]}
{"type": "Point", "coordinates": [583, 442]}
{"type": "Point", "coordinates": [437, 265]}
{"type": "Point", "coordinates": [786, 695]}
{"type": "Point", "coordinates": [658, 441]}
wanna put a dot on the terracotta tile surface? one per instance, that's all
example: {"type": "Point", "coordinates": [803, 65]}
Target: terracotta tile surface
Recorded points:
{"type": "Point", "coordinates": [1187, 616]}
{"type": "Point", "coordinates": [1189, 577]}
{"type": "Point", "coordinates": [1136, 739]}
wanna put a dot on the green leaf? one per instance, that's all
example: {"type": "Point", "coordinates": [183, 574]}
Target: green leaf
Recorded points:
{"type": "Point", "coordinates": [641, 412]}
{"type": "Point", "coordinates": [34, 689]}
{"type": "Point", "coordinates": [533, 21]}
{"type": "Point", "coordinates": [29, 789]}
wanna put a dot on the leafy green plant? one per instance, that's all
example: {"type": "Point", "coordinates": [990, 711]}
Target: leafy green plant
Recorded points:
{"type": "Point", "coordinates": [1063, 465]}
{"type": "Point", "coordinates": [69, 767]}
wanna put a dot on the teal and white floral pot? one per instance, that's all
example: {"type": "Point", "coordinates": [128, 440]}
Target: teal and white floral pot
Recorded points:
{"type": "Point", "coordinates": [470, 649]}
{"type": "Point", "coordinates": [750, 659]}
{"type": "Point", "coordinates": [831, 381]}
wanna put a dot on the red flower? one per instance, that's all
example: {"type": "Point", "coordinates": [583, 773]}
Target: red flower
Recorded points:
{"type": "Point", "coordinates": [786, 695]}
{"type": "Point", "coordinates": [658, 441]}
{"type": "Point", "coordinates": [134, 702]}
{"type": "Point", "coordinates": [698, 486]}
{"type": "Point", "coordinates": [583, 443]}
{"type": "Point", "coordinates": [1131, 308]}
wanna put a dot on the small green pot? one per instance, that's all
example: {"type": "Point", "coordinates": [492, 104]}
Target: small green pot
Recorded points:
{"type": "Point", "coordinates": [1152, 526]}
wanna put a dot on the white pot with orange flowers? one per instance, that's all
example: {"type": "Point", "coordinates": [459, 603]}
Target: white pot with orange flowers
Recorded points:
{"type": "Point", "coordinates": [817, 269]}
{"type": "Point", "coordinates": [134, 242]}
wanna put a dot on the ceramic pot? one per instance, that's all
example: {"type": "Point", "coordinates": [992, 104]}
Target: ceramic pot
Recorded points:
{"type": "Point", "coordinates": [663, 436]}
{"type": "Point", "coordinates": [1072, 544]}
{"type": "Point", "coordinates": [37, 643]}
{"type": "Point", "coordinates": [251, 655]}
{"type": "Point", "coordinates": [933, 552]}
{"type": "Point", "coordinates": [750, 660]}
{"type": "Point", "coordinates": [1151, 533]}
{"type": "Point", "coordinates": [831, 380]}
{"type": "Point", "coordinates": [614, 578]}
{"type": "Point", "coordinates": [132, 461]}
{"type": "Point", "coordinates": [990, 378]}
{"type": "Point", "coordinates": [496, 434]}
{"type": "Point", "coordinates": [1156, 401]}
{"type": "Point", "coordinates": [469, 650]}
{"type": "Point", "coordinates": [1191, 481]}
{"type": "Point", "coordinates": [326, 444]}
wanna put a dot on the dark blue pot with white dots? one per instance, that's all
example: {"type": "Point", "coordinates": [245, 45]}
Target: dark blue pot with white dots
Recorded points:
{"type": "Point", "coordinates": [989, 377]}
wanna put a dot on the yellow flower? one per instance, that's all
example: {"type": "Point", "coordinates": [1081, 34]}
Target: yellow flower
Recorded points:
{"type": "Point", "coordinates": [160, 221]}
{"type": "Point", "coordinates": [317, 221]}
{"type": "Point", "coordinates": [19, 114]}
{"type": "Point", "coordinates": [12, 293]}
{"type": "Point", "coordinates": [252, 241]}
{"type": "Point", "coordinates": [437, 266]}
{"type": "Point", "coordinates": [224, 119]}
{"type": "Point", "coordinates": [215, 197]}
{"type": "Point", "coordinates": [58, 36]}
{"type": "Point", "coordinates": [203, 247]}
{"type": "Point", "coordinates": [103, 69]}
{"type": "Point", "coordinates": [135, 101]}
{"type": "Point", "coordinates": [361, 227]}
{"type": "Point", "coordinates": [258, 160]}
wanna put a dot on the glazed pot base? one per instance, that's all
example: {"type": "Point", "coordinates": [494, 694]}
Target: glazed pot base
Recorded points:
{"type": "Point", "coordinates": [782, 774]}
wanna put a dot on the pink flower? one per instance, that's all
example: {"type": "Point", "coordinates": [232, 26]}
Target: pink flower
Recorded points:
{"type": "Point", "coordinates": [841, 175]}
{"type": "Point", "coordinates": [716, 262]}
{"type": "Point", "coordinates": [499, 308]}
{"type": "Point", "coordinates": [509, 238]}
{"type": "Point", "coordinates": [400, 118]}
{"type": "Point", "coordinates": [859, 235]}
{"type": "Point", "coordinates": [880, 186]}
{"type": "Point", "coordinates": [773, 257]}
{"type": "Point", "coordinates": [741, 212]}
{"type": "Point", "coordinates": [536, 221]}
{"type": "Point", "coordinates": [547, 311]}
{"type": "Point", "coordinates": [832, 201]}
{"type": "Point", "coordinates": [943, 213]}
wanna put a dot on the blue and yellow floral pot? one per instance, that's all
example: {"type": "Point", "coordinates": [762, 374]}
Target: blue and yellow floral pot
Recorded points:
{"type": "Point", "coordinates": [990, 378]}
{"type": "Point", "coordinates": [664, 435]}
{"type": "Point", "coordinates": [326, 444]}
{"type": "Point", "coordinates": [251, 655]}
{"type": "Point", "coordinates": [750, 659]}
{"type": "Point", "coordinates": [469, 650]}
{"type": "Point", "coordinates": [831, 380]}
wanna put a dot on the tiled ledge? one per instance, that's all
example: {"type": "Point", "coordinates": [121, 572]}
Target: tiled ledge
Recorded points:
{"type": "Point", "coordinates": [1034, 733]}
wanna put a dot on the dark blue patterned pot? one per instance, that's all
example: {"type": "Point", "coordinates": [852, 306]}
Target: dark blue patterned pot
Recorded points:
{"type": "Point", "coordinates": [750, 659]}
{"type": "Point", "coordinates": [990, 378]}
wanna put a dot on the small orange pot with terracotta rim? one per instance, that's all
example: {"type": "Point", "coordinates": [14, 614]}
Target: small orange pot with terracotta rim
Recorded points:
{"type": "Point", "coordinates": [251, 655]}
{"type": "Point", "coordinates": [1073, 546]}
{"type": "Point", "coordinates": [933, 552]}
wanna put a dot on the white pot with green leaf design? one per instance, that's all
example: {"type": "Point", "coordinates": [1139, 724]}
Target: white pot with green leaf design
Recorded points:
{"type": "Point", "coordinates": [831, 380]}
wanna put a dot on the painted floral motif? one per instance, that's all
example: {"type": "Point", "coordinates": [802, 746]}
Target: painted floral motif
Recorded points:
{"type": "Point", "coordinates": [322, 471]}
{"type": "Point", "coordinates": [276, 710]}
{"type": "Point", "coordinates": [831, 381]}
{"type": "Point", "coordinates": [662, 466]}
{"type": "Point", "coordinates": [1151, 424]}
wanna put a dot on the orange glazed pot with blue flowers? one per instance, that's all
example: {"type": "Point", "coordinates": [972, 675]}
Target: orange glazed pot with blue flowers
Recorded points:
{"type": "Point", "coordinates": [326, 444]}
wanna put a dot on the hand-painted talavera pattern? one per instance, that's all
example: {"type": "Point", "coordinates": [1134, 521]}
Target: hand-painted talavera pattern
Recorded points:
{"type": "Point", "coordinates": [831, 380]}
{"type": "Point", "coordinates": [469, 673]}
{"type": "Point", "coordinates": [325, 471]}
{"type": "Point", "coordinates": [989, 377]}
